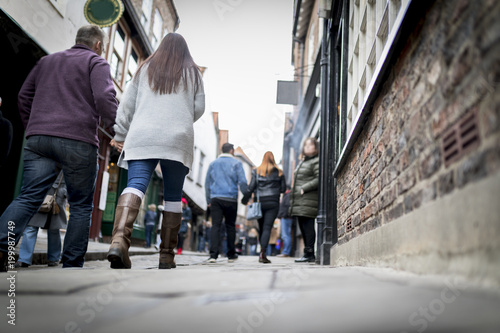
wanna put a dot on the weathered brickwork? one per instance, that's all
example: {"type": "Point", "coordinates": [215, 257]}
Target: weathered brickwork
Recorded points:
{"type": "Point", "coordinates": [449, 68]}
{"type": "Point", "coordinates": [166, 8]}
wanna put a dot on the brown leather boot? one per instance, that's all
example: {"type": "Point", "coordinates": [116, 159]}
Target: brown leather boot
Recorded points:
{"type": "Point", "coordinates": [169, 230]}
{"type": "Point", "coordinates": [125, 215]}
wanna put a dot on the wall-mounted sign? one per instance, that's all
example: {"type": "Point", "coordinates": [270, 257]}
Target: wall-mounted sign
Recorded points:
{"type": "Point", "coordinates": [103, 12]}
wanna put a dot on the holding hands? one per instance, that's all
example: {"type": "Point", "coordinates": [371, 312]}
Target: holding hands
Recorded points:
{"type": "Point", "coordinates": [117, 144]}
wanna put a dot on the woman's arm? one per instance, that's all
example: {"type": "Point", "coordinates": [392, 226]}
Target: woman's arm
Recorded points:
{"type": "Point", "coordinates": [250, 189]}
{"type": "Point", "coordinates": [313, 184]}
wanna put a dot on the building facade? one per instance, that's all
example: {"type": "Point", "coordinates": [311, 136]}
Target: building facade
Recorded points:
{"type": "Point", "coordinates": [409, 135]}
{"type": "Point", "coordinates": [32, 29]}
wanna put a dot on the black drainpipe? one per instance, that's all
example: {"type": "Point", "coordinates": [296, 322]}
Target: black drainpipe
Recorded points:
{"type": "Point", "coordinates": [323, 251]}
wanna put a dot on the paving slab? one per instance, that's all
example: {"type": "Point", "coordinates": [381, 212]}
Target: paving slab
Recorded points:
{"type": "Point", "coordinates": [243, 296]}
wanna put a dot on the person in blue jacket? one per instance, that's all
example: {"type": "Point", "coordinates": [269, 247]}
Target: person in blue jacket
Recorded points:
{"type": "Point", "coordinates": [224, 176]}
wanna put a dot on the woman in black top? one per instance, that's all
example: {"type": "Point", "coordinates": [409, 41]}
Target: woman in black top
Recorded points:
{"type": "Point", "coordinates": [268, 180]}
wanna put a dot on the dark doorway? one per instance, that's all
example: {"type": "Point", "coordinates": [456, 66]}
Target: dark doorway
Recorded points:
{"type": "Point", "coordinates": [18, 56]}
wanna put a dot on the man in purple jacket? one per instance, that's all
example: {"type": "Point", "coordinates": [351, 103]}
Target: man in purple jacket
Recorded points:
{"type": "Point", "coordinates": [61, 104]}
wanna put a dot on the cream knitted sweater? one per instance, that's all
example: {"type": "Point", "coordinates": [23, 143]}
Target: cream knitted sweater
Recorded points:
{"type": "Point", "coordinates": [156, 126]}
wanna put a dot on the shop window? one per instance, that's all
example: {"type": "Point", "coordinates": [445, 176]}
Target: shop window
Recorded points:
{"type": "Point", "coordinates": [116, 62]}
{"type": "Point", "coordinates": [132, 66]}
{"type": "Point", "coordinates": [371, 28]}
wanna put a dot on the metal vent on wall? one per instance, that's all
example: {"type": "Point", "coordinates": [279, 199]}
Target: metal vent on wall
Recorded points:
{"type": "Point", "coordinates": [348, 224]}
{"type": "Point", "coordinates": [460, 139]}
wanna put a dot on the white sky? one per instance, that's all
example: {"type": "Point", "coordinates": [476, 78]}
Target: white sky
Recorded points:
{"type": "Point", "coordinates": [246, 47]}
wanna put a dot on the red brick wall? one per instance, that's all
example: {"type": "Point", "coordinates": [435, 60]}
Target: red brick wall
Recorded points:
{"type": "Point", "coordinates": [448, 70]}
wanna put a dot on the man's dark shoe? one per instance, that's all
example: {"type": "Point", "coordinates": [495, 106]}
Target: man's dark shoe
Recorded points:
{"type": "Point", "coordinates": [306, 259]}
{"type": "Point", "coordinates": [21, 264]}
{"type": "Point", "coordinates": [53, 263]}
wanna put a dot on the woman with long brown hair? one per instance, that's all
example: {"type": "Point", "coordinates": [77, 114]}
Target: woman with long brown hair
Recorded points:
{"type": "Point", "coordinates": [154, 123]}
{"type": "Point", "coordinates": [268, 182]}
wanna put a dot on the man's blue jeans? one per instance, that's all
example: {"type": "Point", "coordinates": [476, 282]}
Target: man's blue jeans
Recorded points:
{"type": "Point", "coordinates": [29, 240]}
{"type": "Point", "coordinates": [44, 157]}
{"type": "Point", "coordinates": [286, 234]}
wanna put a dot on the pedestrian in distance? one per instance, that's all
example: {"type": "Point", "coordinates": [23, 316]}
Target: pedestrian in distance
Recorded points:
{"type": "Point", "coordinates": [304, 196]}
{"type": "Point", "coordinates": [224, 176]}
{"type": "Point", "coordinates": [61, 103]}
{"type": "Point", "coordinates": [208, 232]}
{"type": "Point", "coordinates": [286, 224]}
{"type": "Point", "coordinates": [252, 241]}
{"type": "Point", "coordinates": [202, 229]}
{"type": "Point", "coordinates": [149, 223]}
{"type": "Point", "coordinates": [268, 181]}
{"type": "Point", "coordinates": [49, 221]}
{"type": "Point", "coordinates": [274, 239]}
{"type": "Point", "coordinates": [158, 227]}
{"type": "Point", "coordinates": [186, 219]}
{"type": "Point", "coordinates": [154, 124]}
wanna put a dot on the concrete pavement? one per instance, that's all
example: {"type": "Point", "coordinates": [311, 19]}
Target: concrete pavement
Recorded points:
{"type": "Point", "coordinates": [95, 250]}
{"type": "Point", "coordinates": [243, 296]}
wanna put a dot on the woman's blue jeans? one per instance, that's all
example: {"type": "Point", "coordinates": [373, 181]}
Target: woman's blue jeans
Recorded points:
{"type": "Point", "coordinates": [173, 172]}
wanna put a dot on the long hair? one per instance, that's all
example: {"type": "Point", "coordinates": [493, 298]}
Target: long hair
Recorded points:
{"type": "Point", "coordinates": [268, 164]}
{"type": "Point", "coordinates": [170, 65]}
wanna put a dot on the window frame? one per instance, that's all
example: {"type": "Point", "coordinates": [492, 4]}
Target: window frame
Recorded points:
{"type": "Point", "coordinates": [129, 47]}
{"type": "Point", "coordinates": [383, 62]}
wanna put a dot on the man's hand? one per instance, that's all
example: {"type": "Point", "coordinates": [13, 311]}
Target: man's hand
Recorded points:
{"type": "Point", "coordinates": [301, 191]}
{"type": "Point", "coordinates": [117, 144]}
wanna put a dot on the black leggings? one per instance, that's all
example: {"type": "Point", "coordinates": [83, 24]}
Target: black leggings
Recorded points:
{"type": "Point", "coordinates": [306, 225]}
{"type": "Point", "coordinates": [269, 214]}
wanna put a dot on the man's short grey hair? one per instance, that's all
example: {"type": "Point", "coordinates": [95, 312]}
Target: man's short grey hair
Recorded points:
{"type": "Point", "coordinates": [89, 35]}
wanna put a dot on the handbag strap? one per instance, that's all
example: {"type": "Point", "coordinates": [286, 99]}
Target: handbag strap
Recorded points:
{"type": "Point", "coordinates": [257, 185]}
{"type": "Point", "coordinates": [59, 183]}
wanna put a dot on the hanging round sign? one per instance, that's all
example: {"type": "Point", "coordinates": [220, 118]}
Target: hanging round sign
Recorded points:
{"type": "Point", "coordinates": [103, 12]}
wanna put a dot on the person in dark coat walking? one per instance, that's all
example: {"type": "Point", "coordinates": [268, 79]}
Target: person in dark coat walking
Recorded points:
{"type": "Point", "coordinates": [187, 215]}
{"type": "Point", "coordinates": [149, 223]}
{"type": "Point", "coordinates": [268, 181]}
{"type": "Point", "coordinates": [52, 222]}
{"type": "Point", "coordinates": [304, 197]}
{"type": "Point", "coordinates": [62, 103]}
